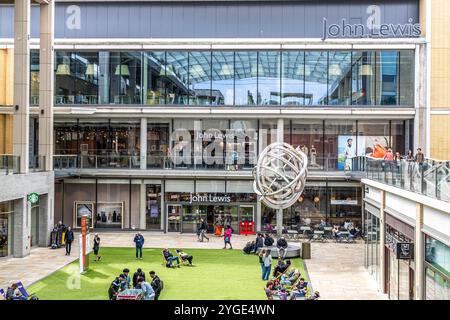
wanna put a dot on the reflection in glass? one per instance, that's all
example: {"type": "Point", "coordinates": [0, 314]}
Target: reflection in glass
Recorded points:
{"type": "Point", "coordinates": [363, 78]}
{"type": "Point", "coordinates": [125, 71]}
{"type": "Point", "coordinates": [34, 78]}
{"type": "Point", "coordinates": [387, 88]}
{"type": "Point", "coordinates": [406, 78]}
{"type": "Point", "coordinates": [339, 77]}
{"type": "Point", "coordinates": [316, 77]}
{"type": "Point", "coordinates": [292, 79]}
{"type": "Point", "coordinates": [246, 73]}
{"type": "Point", "coordinates": [269, 63]}
{"type": "Point", "coordinates": [200, 78]}
{"type": "Point", "coordinates": [176, 75]}
{"type": "Point", "coordinates": [222, 78]}
{"type": "Point", "coordinates": [154, 80]}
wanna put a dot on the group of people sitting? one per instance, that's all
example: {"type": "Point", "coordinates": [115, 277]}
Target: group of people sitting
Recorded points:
{"type": "Point", "coordinates": [348, 226]}
{"type": "Point", "coordinates": [266, 240]}
{"type": "Point", "coordinates": [150, 290]}
{"type": "Point", "coordinates": [181, 257]}
{"type": "Point", "coordinates": [287, 283]}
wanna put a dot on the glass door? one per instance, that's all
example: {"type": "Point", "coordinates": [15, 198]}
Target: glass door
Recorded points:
{"type": "Point", "coordinates": [191, 217]}
{"type": "Point", "coordinates": [3, 234]}
{"type": "Point", "coordinates": [34, 226]}
{"type": "Point", "coordinates": [174, 217]}
{"type": "Point", "coordinates": [246, 213]}
{"type": "Point", "coordinates": [231, 218]}
{"type": "Point", "coordinates": [153, 207]}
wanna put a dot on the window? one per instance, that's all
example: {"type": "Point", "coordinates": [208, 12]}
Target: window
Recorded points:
{"type": "Point", "coordinates": [222, 91]}
{"type": "Point", "coordinates": [246, 78]}
{"type": "Point", "coordinates": [269, 64]}
{"type": "Point", "coordinates": [316, 73]}
{"type": "Point", "coordinates": [292, 78]}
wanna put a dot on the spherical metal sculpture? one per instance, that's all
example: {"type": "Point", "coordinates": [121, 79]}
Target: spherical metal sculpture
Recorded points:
{"type": "Point", "coordinates": [280, 175]}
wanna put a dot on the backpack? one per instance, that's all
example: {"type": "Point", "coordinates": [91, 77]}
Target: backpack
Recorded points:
{"type": "Point", "coordinates": [161, 285]}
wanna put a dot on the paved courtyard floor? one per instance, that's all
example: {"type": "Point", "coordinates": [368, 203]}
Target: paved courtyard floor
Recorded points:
{"type": "Point", "coordinates": [336, 269]}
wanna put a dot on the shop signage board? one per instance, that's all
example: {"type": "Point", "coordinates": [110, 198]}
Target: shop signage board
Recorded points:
{"type": "Point", "coordinates": [405, 250]}
{"type": "Point", "coordinates": [33, 198]}
{"type": "Point", "coordinates": [209, 198]}
{"type": "Point", "coordinates": [345, 202]}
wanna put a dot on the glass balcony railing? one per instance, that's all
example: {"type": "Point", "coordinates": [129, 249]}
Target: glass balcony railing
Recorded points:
{"type": "Point", "coordinates": [430, 178]}
{"type": "Point", "coordinates": [71, 162]}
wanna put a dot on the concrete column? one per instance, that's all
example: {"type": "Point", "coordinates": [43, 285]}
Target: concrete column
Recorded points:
{"type": "Point", "coordinates": [419, 254]}
{"type": "Point", "coordinates": [382, 242]}
{"type": "Point", "coordinates": [22, 228]}
{"type": "Point", "coordinates": [258, 213]}
{"type": "Point", "coordinates": [280, 138]}
{"type": "Point", "coordinates": [143, 144]}
{"type": "Point", "coordinates": [421, 120]}
{"type": "Point", "coordinates": [46, 84]}
{"type": "Point", "coordinates": [21, 82]}
{"type": "Point", "coordinates": [46, 218]}
{"type": "Point", "coordinates": [164, 213]}
{"type": "Point", "coordinates": [142, 207]}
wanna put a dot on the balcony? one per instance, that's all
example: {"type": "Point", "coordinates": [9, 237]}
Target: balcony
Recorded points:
{"type": "Point", "coordinates": [10, 164]}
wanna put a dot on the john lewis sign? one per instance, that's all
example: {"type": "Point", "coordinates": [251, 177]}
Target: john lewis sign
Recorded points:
{"type": "Point", "coordinates": [209, 198]}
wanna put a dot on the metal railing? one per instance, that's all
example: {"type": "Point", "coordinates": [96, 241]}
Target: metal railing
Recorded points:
{"type": "Point", "coordinates": [9, 164]}
{"type": "Point", "coordinates": [430, 178]}
{"type": "Point", "coordinates": [112, 161]}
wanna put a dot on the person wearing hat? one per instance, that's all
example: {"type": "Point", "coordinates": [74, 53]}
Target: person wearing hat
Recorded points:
{"type": "Point", "coordinates": [96, 247]}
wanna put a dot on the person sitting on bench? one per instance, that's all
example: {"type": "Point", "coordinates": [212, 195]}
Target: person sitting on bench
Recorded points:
{"type": "Point", "coordinates": [268, 240]}
{"type": "Point", "coordinates": [282, 247]}
{"type": "Point", "coordinates": [259, 243]}
{"type": "Point", "coordinates": [170, 258]}
{"type": "Point", "coordinates": [290, 278]}
{"type": "Point", "coordinates": [184, 256]}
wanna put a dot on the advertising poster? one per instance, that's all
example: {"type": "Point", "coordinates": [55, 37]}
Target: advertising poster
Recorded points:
{"type": "Point", "coordinates": [85, 209]}
{"type": "Point", "coordinates": [109, 215]}
{"type": "Point", "coordinates": [349, 147]}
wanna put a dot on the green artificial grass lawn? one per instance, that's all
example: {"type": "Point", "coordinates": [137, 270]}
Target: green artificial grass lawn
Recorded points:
{"type": "Point", "coordinates": [216, 275]}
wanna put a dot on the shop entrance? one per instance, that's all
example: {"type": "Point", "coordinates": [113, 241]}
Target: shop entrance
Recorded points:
{"type": "Point", "coordinates": [185, 218]}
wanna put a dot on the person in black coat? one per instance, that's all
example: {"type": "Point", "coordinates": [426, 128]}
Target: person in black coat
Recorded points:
{"type": "Point", "coordinates": [259, 242]}
{"type": "Point", "coordinates": [156, 284]}
{"type": "Point", "coordinates": [282, 247]}
{"type": "Point", "coordinates": [136, 275]}
{"type": "Point", "coordinates": [69, 239]}
{"type": "Point", "coordinates": [268, 241]}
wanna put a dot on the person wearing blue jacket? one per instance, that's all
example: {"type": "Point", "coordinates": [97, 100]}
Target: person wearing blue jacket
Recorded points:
{"type": "Point", "coordinates": [139, 242]}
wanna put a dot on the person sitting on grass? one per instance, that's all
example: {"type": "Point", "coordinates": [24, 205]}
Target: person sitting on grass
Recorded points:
{"type": "Point", "coordinates": [126, 282]}
{"type": "Point", "coordinates": [147, 290]}
{"type": "Point", "coordinates": [170, 258]}
{"type": "Point", "coordinates": [13, 294]}
{"type": "Point", "coordinates": [269, 290]}
{"type": "Point", "coordinates": [290, 279]}
{"type": "Point", "coordinates": [115, 288]}
{"type": "Point", "coordinates": [300, 289]}
{"type": "Point", "coordinates": [281, 267]}
{"type": "Point", "coordinates": [184, 256]}
{"type": "Point", "coordinates": [249, 247]}
{"type": "Point", "coordinates": [315, 296]}
{"type": "Point", "coordinates": [283, 294]}
{"type": "Point", "coordinates": [136, 275]}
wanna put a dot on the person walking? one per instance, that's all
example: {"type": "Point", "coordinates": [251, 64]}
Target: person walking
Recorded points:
{"type": "Point", "coordinates": [156, 284]}
{"type": "Point", "coordinates": [420, 157]}
{"type": "Point", "coordinates": [139, 242]}
{"type": "Point", "coordinates": [96, 248]}
{"type": "Point", "coordinates": [410, 160]}
{"type": "Point", "coordinates": [69, 240]}
{"type": "Point", "coordinates": [203, 230]}
{"type": "Point", "coordinates": [267, 265]}
{"type": "Point", "coordinates": [227, 236]}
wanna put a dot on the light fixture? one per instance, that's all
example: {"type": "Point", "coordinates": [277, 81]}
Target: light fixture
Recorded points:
{"type": "Point", "coordinates": [122, 70]}
{"type": "Point", "coordinates": [90, 69]}
{"type": "Point", "coordinates": [63, 69]}
{"type": "Point", "coordinates": [366, 70]}
{"type": "Point", "coordinates": [335, 70]}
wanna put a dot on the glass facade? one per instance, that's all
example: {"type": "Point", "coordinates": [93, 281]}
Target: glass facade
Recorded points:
{"type": "Point", "coordinates": [6, 228]}
{"type": "Point", "coordinates": [437, 270]}
{"type": "Point", "coordinates": [319, 201]}
{"type": "Point", "coordinates": [372, 243]}
{"type": "Point", "coordinates": [241, 78]}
